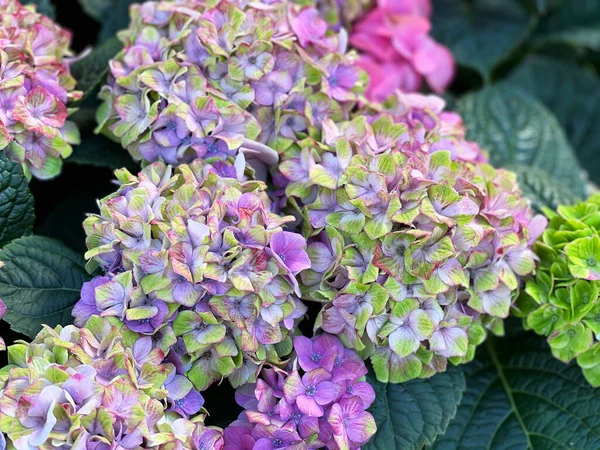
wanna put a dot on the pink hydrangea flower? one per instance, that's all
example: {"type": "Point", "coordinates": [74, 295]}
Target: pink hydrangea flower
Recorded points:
{"type": "Point", "coordinates": [397, 51]}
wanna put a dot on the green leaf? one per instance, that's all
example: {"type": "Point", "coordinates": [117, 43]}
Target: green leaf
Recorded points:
{"type": "Point", "coordinates": [44, 7]}
{"type": "Point", "coordinates": [413, 414]}
{"type": "Point", "coordinates": [480, 34]}
{"type": "Point", "coordinates": [575, 23]}
{"type": "Point", "coordinates": [91, 70]}
{"type": "Point", "coordinates": [519, 397]}
{"type": "Point", "coordinates": [40, 283]}
{"type": "Point", "coordinates": [16, 202]}
{"type": "Point", "coordinates": [570, 93]}
{"type": "Point", "coordinates": [541, 189]}
{"type": "Point", "coordinates": [517, 130]}
{"type": "Point", "coordinates": [113, 14]}
{"type": "Point", "coordinates": [101, 152]}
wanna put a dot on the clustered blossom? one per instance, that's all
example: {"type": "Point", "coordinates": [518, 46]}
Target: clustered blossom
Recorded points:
{"type": "Point", "coordinates": [35, 86]}
{"type": "Point", "coordinates": [397, 51]}
{"type": "Point", "coordinates": [416, 247]}
{"type": "Point", "coordinates": [342, 13]}
{"type": "Point", "coordinates": [319, 402]}
{"type": "Point", "coordinates": [100, 387]}
{"type": "Point", "coordinates": [561, 301]}
{"type": "Point", "coordinates": [198, 262]}
{"type": "Point", "coordinates": [210, 80]}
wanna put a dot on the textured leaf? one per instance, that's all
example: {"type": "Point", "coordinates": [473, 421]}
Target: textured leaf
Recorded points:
{"type": "Point", "coordinates": [543, 191]}
{"type": "Point", "coordinates": [519, 397]}
{"type": "Point", "coordinates": [571, 94]}
{"type": "Point", "coordinates": [113, 14]}
{"type": "Point", "coordinates": [40, 283]}
{"type": "Point", "coordinates": [91, 70]}
{"type": "Point", "coordinates": [43, 7]}
{"type": "Point", "coordinates": [481, 34]}
{"type": "Point", "coordinates": [16, 202]}
{"type": "Point", "coordinates": [518, 130]}
{"type": "Point", "coordinates": [575, 23]}
{"type": "Point", "coordinates": [412, 414]}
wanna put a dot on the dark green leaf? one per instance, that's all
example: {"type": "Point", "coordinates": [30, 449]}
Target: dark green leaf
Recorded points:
{"type": "Point", "coordinates": [16, 202]}
{"type": "Point", "coordinates": [113, 14]}
{"type": "Point", "coordinates": [519, 397]}
{"type": "Point", "coordinates": [43, 7]}
{"type": "Point", "coordinates": [91, 70]}
{"type": "Point", "coordinates": [572, 95]}
{"type": "Point", "coordinates": [575, 23]}
{"type": "Point", "coordinates": [541, 189]}
{"type": "Point", "coordinates": [481, 34]}
{"type": "Point", "coordinates": [100, 151]}
{"type": "Point", "coordinates": [518, 130]}
{"type": "Point", "coordinates": [413, 414]}
{"type": "Point", "coordinates": [40, 283]}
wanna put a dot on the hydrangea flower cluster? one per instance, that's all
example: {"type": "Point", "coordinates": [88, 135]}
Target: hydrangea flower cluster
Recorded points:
{"type": "Point", "coordinates": [342, 13]}
{"type": "Point", "coordinates": [397, 51]}
{"type": "Point", "coordinates": [561, 301]}
{"type": "Point", "coordinates": [203, 79]}
{"type": "Point", "coordinates": [198, 262]}
{"type": "Point", "coordinates": [320, 402]}
{"type": "Point", "coordinates": [414, 250]}
{"type": "Point", "coordinates": [94, 388]}
{"type": "Point", "coordinates": [35, 86]}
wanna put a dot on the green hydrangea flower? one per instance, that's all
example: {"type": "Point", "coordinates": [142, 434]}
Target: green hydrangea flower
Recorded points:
{"type": "Point", "coordinates": [561, 301]}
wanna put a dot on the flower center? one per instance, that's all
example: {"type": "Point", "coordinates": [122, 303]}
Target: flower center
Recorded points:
{"type": "Point", "coordinates": [591, 262]}
{"type": "Point", "coordinates": [316, 357]}
{"type": "Point", "coordinates": [179, 403]}
{"type": "Point", "coordinates": [311, 391]}
{"type": "Point", "coordinates": [333, 81]}
{"type": "Point", "coordinates": [339, 362]}
{"type": "Point", "coordinates": [277, 443]}
{"type": "Point", "coordinates": [171, 125]}
{"type": "Point", "coordinates": [252, 60]}
{"type": "Point", "coordinates": [282, 256]}
{"type": "Point", "coordinates": [212, 148]}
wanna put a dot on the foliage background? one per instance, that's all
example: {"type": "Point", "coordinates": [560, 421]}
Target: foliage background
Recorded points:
{"type": "Point", "coordinates": [528, 88]}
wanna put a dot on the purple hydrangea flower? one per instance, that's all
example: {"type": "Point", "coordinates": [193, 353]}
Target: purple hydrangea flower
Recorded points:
{"type": "Point", "coordinates": [190, 254]}
{"type": "Point", "coordinates": [76, 387]}
{"type": "Point", "coordinates": [417, 246]}
{"type": "Point", "coordinates": [221, 90]}
{"type": "Point", "coordinates": [308, 406]}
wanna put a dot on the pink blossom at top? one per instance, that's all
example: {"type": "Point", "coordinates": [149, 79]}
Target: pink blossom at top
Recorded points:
{"type": "Point", "coordinates": [397, 51]}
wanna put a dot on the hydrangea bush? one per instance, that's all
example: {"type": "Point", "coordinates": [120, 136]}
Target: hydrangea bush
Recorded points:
{"type": "Point", "coordinates": [319, 401]}
{"type": "Point", "coordinates": [561, 301]}
{"type": "Point", "coordinates": [206, 79]}
{"type": "Point", "coordinates": [96, 387]}
{"type": "Point", "coordinates": [35, 86]}
{"type": "Point", "coordinates": [415, 249]}
{"type": "Point", "coordinates": [197, 261]}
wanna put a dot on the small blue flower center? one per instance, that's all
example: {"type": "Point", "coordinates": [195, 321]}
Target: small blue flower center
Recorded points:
{"type": "Point", "coordinates": [212, 148]}
{"type": "Point", "coordinates": [339, 362]}
{"type": "Point", "coordinates": [282, 256]}
{"type": "Point", "coordinates": [277, 443]}
{"type": "Point", "coordinates": [333, 81]}
{"type": "Point", "coordinates": [316, 357]}
{"type": "Point", "coordinates": [171, 125]}
{"type": "Point", "coordinates": [179, 403]}
{"type": "Point", "coordinates": [252, 60]}
{"type": "Point", "coordinates": [311, 391]}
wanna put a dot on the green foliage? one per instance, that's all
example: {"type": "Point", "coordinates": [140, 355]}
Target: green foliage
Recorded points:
{"type": "Point", "coordinates": [517, 130]}
{"type": "Point", "coordinates": [572, 95]}
{"type": "Point", "coordinates": [539, 187]}
{"type": "Point", "coordinates": [520, 398]}
{"type": "Point", "coordinates": [112, 14]}
{"type": "Point", "coordinates": [16, 202]}
{"type": "Point", "coordinates": [575, 23]}
{"type": "Point", "coordinates": [413, 414]}
{"type": "Point", "coordinates": [43, 6]}
{"type": "Point", "coordinates": [91, 70]}
{"type": "Point", "coordinates": [480, 34]}
{"type": "Point", "coordinates": [40, 282]}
